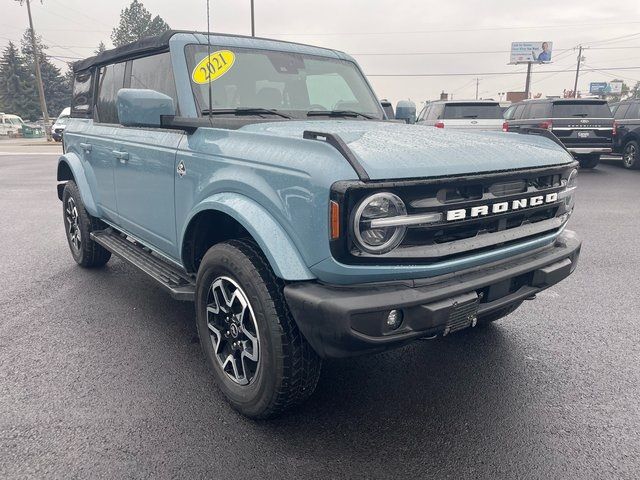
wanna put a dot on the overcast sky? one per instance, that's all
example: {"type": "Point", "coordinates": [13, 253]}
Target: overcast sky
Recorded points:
{"type": "Point", "coordinates": [394, 29]}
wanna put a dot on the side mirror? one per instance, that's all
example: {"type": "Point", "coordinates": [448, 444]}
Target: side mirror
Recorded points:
{"type": "Point", "coordinates": [142, 107]}
{"type": "Point", "coordinates": [406, 110]}
{"type": "Point", "coordinates": [388, 108]}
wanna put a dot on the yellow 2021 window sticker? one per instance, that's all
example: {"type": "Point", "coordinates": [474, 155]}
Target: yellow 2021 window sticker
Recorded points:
{"type": "Point", "coordinates": [213, 67]}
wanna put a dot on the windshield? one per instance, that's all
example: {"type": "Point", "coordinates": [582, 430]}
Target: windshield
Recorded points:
{"type": "Point", "coordinates": [290, 83]}
{"type": "Point", "coordinates": [16, 120]}
{"type": "Point", "coordinates": [472, 110]}
{"type": "Point", "coordinates": [581, 109]}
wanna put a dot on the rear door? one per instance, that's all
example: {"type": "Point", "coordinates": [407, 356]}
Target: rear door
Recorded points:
{"type": "Point", "coordinates": [145, 167]}
{"type": "Point", "coordinates": [582, 125]}
{"type": "Point", "coordinates": [473, 116]}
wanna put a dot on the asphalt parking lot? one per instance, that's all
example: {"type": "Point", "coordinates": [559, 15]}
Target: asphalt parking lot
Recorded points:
{"type": "Point", "coordinates": [101, 373]}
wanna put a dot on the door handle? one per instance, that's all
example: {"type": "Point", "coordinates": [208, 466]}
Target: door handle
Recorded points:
{"type": "Point", "coordinates": [85, 146]}
{"type": "Point", "coordinates": [122, 156]}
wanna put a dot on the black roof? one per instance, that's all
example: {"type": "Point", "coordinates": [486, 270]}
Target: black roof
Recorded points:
{"type": "Point", "coordinates": [140, 47]}
{"type": "Point", "coordinates": [148, 46]}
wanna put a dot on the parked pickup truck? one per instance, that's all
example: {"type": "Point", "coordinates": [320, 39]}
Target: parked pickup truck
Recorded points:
{"type": "Point", "coordinates": [261, 180]}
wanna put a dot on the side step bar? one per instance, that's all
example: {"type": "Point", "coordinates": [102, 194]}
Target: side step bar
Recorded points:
{"type": "Point", "coordinates": [176, 282]}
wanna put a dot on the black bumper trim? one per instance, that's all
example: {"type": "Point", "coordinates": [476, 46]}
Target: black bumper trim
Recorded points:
{"type": "Point", "coordinates": [341, 321]}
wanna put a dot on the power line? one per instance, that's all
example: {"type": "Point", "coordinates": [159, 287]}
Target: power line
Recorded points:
{"type": "Point", "coordinates": [456, 74]}
{"type": "Point", "coordinates": [475, 52]}
{"type": "Point", "coordinates": [404, 32]}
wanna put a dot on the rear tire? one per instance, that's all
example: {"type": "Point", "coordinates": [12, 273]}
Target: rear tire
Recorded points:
{"type": "Point", "coordinates": [631, 155]}
{"type": "Point", "coordinates": [589, 161]}
{"type": "Point", "coordinates": [78, 225]}
{"type": "Point", "coordinates": [498, 314]}
{"type": "Point", "coordinates": [259, 358]}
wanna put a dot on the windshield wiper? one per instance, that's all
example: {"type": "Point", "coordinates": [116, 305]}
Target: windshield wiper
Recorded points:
{"type": "Point", "coordinates": [580, 115]}
{"type": "Point", "coordinates": [337, 113]}
{"type": "Point", "coordinates": [245, 111]}
{"type": "Point", "coordinates": [470, 116]}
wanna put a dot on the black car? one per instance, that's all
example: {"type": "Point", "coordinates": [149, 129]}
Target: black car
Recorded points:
{"type": "Point", "coordinates": [627, 138]}
{"type": "Point", "coordinates": [584, 126]}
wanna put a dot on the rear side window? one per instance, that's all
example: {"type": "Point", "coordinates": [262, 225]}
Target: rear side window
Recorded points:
{"type": "Point", "coordinates": [539, 110]}
{"type": "Point", "coordinates": [518, 112]}
{"type": "Point", "coordinates": [472, 110]}
{"type": "Point", "coordinates": [154, 73]}
{"type": "Point", "coordinates": [110, 81]}
{"type": "Point", "coordinates": [508, 113]}
{"type": "Point", "coordinates": [620, 111]}
{"type": "Point", "coordinates": [435, 112]}
{"type": "Point", "coordinates": [82, 94]}
{"type": "Point", "coordinates": [634, 111]}
{"type": "Point", "coordinates": [581, 109]}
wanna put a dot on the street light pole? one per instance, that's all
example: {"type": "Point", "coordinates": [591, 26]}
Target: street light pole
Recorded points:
{"type": "Point", "coordinates": [575, 85]}
{"type": "Point", "coordinates": [253, 24]}
{"type": "Point", "coordinates": [36, 60]}
{"type": "Point", "coordinates": [477, 85]}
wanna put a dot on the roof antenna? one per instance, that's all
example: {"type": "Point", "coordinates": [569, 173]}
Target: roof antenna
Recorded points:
{"type": "Point", "coordinates": [209, 57]}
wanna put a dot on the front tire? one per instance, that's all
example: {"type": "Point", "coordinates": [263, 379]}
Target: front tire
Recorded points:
{"type": "Point", "coordinates": [78, 225]}
{"type": "Point", "coordinates": [589, 161]}
{"type": "Point", "coordinates": [631, 155]}
{"type": "Point", "coordinates": [259, 358]}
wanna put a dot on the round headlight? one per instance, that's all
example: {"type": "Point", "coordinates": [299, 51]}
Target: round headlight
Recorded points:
{"type": "Point", "coordinates": [572, 180]}
{"type": "Point", "coordinates": [378, 239]}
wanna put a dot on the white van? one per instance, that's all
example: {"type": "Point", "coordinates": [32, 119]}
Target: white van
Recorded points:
{"type": "Point", "coordinates": [61, 122]}
{"type": "Point", "coordinates": [10, 124]}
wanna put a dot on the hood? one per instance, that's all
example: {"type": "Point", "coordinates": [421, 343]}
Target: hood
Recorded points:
{"type": "Point", "coordinates": [389, 150]}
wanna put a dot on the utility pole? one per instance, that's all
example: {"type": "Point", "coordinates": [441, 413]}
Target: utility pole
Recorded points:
{"type": "Point", "coordinates": [575, 85]}
{"type": "Point", "coordinates": [527, 83]}
{"type": "Point", "coordinates": [253, 24]}
{"type": "Point", "coordinates": [36, 61]}
{"type": "Point", "coordinates": [477, 85]}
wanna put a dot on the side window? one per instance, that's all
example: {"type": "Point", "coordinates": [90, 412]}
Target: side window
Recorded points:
{"type": "Point", "coordinates": [538, 110]}
{"type": "Point", "coordinates": [110, 81]}
{"type": "Point", "coordinates": [634, 111]}
{"type": "Point", "coordinates": [517, 114]}
{"type": "Point", "coordinates": [508, 113]}
{"type": "Point", "coordinates": [436, 111]}
{"type": "Point", "coordinates": [82, 94]}
{"type": "Point", "coordinates": [621, 110]}
{"type": "Point", "coordinates": [154, 73]}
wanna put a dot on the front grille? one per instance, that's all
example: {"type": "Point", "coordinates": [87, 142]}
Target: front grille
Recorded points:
{"type": "Point", "coordinates": [445, 239]}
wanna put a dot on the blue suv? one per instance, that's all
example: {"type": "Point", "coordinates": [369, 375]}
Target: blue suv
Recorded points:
{"type": "Point", "coordinates": [261, 180]}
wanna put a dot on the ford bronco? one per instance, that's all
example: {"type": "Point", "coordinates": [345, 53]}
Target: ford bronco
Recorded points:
{"type": "Point", "coordinates": [261, 180]}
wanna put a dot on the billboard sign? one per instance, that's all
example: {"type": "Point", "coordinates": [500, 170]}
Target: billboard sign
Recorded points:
{"type": "Point", "coordinates": [597, 88]}
{"type": "Point", "coordinates": [605, 88]}
{"type": "Point", "coordinates": [531, 52]}
{"type": "Point", "coordinates": [614, 88]}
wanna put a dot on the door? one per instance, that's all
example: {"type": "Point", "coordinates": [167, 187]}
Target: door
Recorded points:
{"type": "Point", "coordinates": [145, 168]}
{"type": "Point", "coordinates": [145, 173]}
{"type": "Point", "coordinates": [98, 139]}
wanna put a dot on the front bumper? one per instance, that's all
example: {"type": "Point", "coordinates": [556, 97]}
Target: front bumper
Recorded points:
{"type": "Point", "coordinates": [340, 321]}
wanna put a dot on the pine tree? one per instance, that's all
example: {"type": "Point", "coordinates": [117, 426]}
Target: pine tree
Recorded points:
{"type": "Point", "coordinates": [17, 85]}
{"type": "Point", "coordinates": [57, 90]}
{"type": "Point", "coordinates": [136, 22]}
{"type": "Point", "coordinates": [101, 48]}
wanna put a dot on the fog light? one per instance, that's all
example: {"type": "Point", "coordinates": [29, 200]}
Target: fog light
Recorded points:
{"type": "Point", "coordinates": [394, 319]}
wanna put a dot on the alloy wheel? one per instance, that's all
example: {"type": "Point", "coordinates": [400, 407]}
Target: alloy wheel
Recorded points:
{"type": "Point", "coordinates": [233, 330]}
{"type": "Point", "coordinates": [73, 226]}
{"type": "Point", "coordinates": [629, 156]}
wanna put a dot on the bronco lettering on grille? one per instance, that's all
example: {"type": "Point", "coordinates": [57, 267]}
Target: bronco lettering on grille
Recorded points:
{"type": "Point", "coordinates": [500, 207]}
